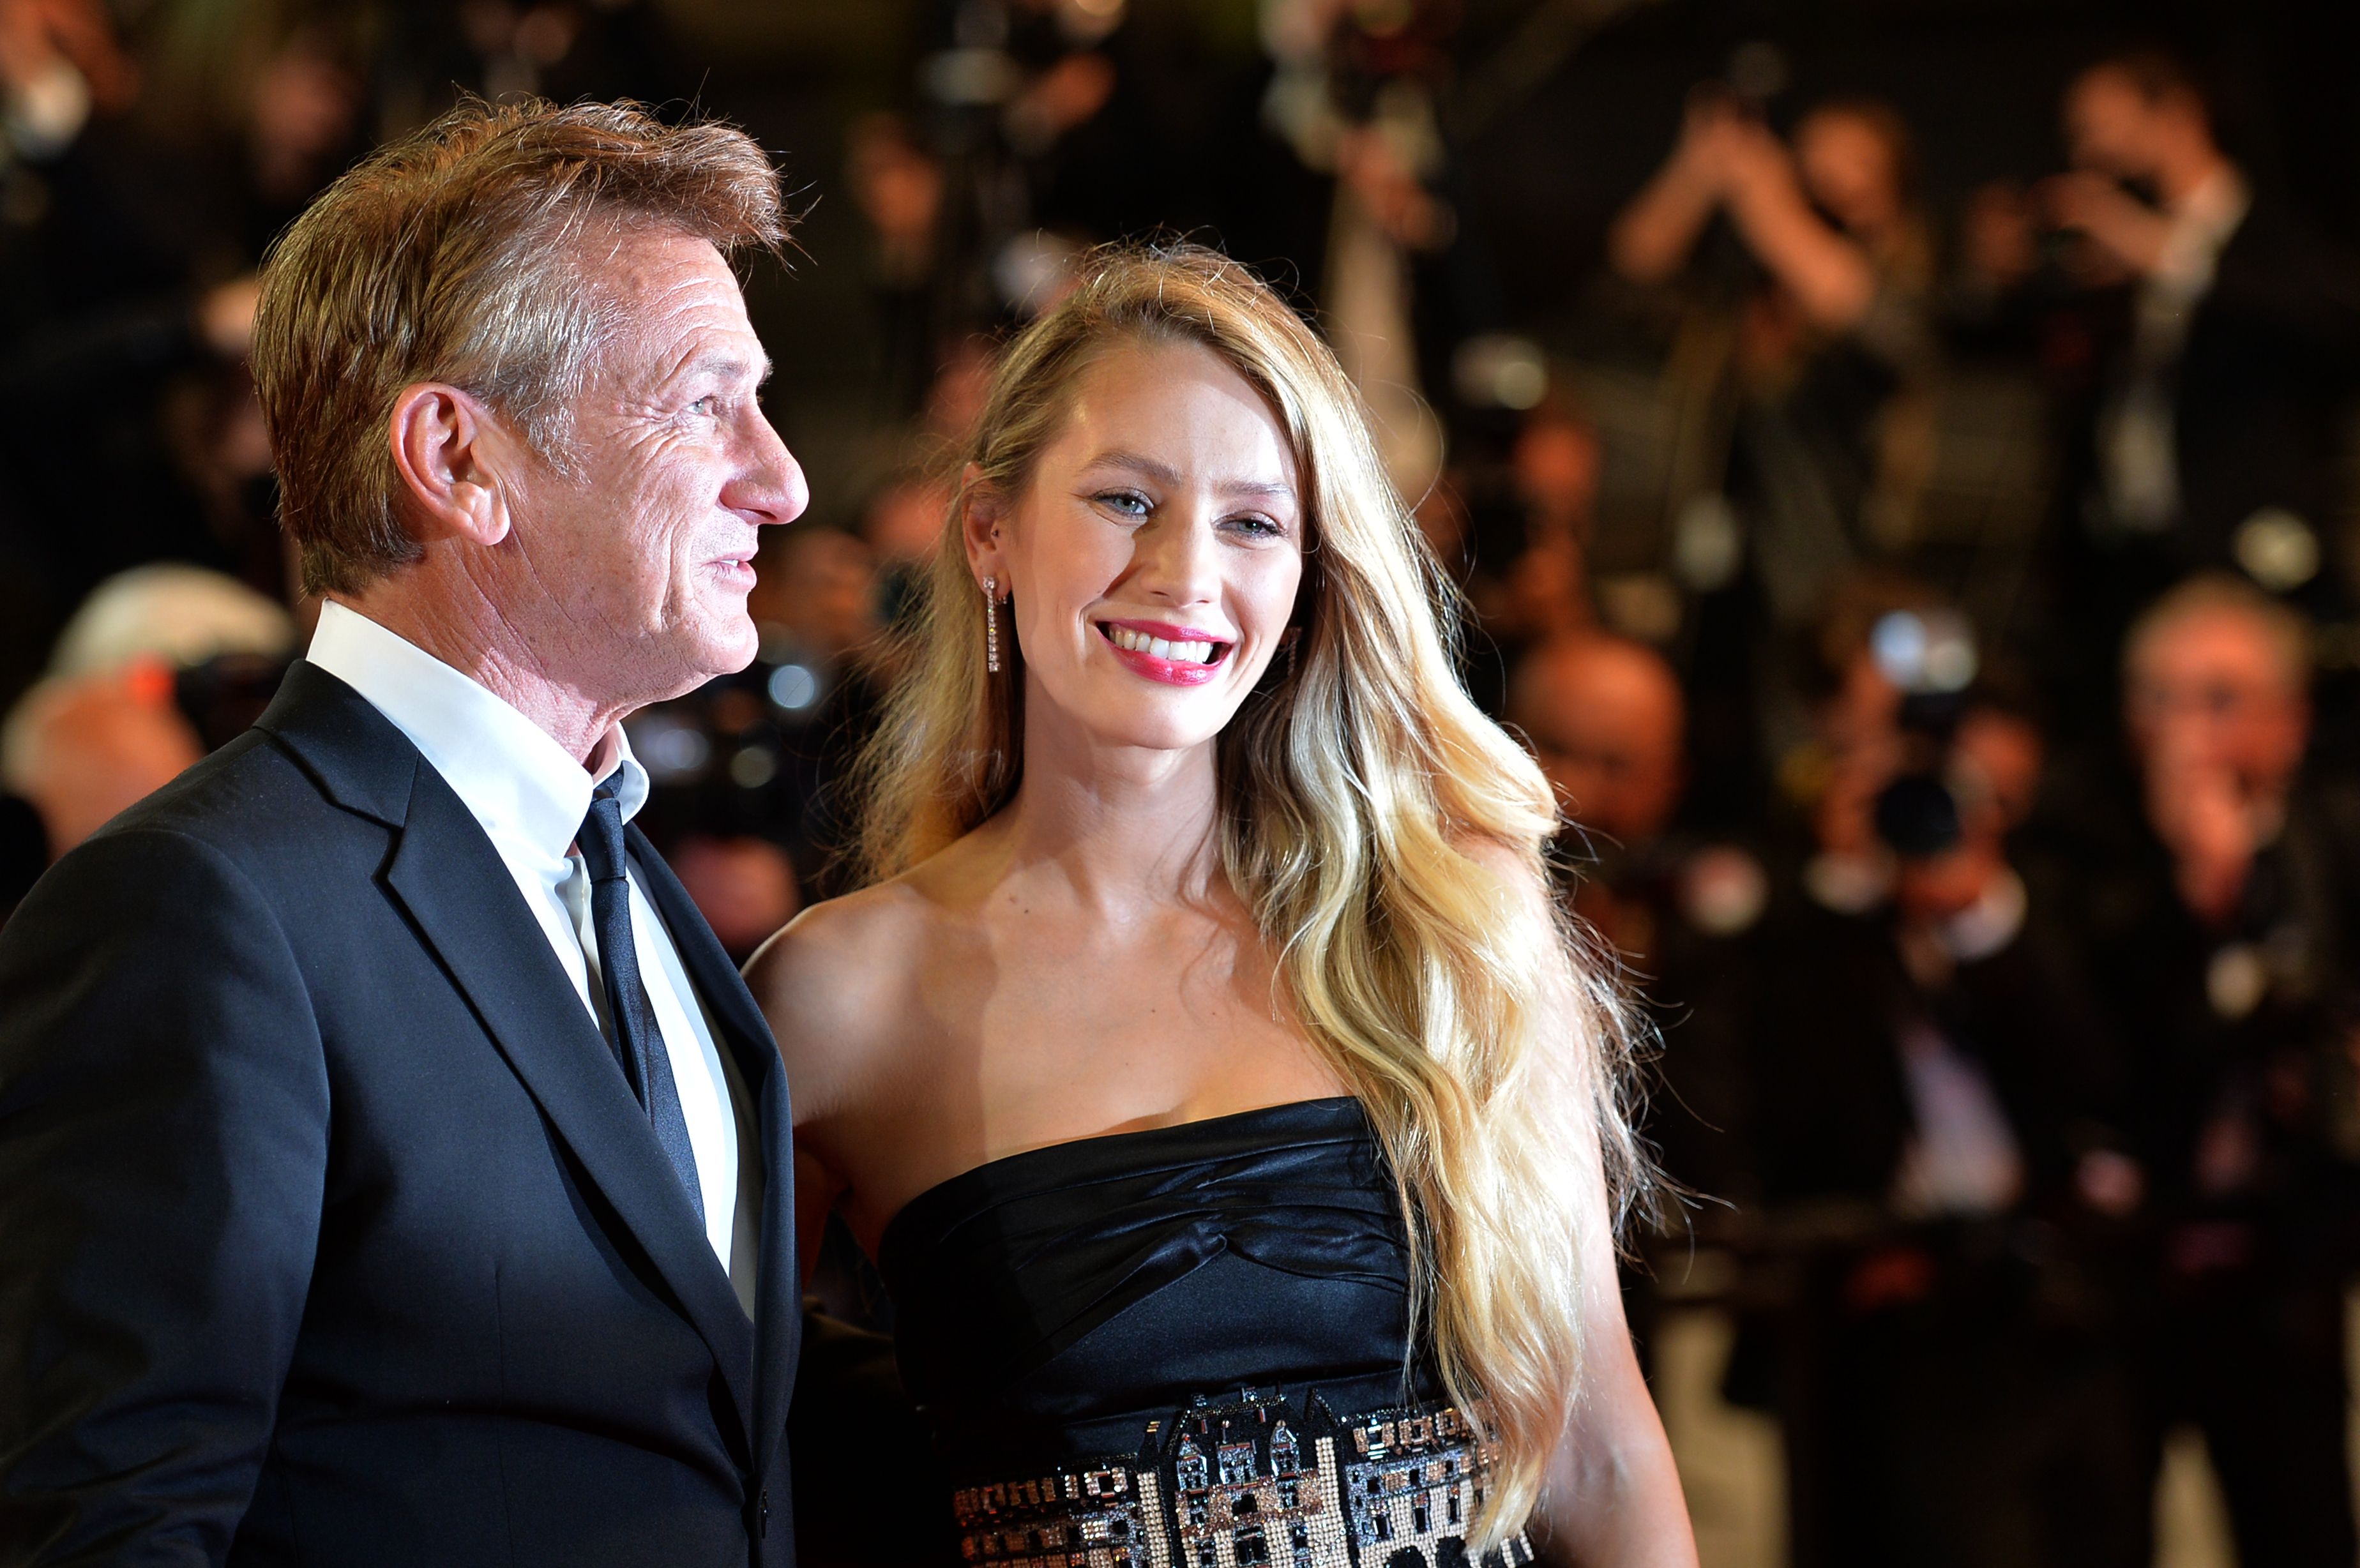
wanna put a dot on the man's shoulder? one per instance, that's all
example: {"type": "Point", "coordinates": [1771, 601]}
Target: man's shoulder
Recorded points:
{"type": "Point", "coordinates": [319, 754]}
{"type": "Point", "coordinates": [252, 798]}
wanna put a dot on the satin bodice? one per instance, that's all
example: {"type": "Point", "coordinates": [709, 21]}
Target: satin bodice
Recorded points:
{"type": "Point", "coordinates": [1050, 1304]}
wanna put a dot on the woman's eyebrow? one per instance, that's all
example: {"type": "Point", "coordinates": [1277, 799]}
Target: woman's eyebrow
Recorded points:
{"type": "Point", "coordinates": [1164, 474]}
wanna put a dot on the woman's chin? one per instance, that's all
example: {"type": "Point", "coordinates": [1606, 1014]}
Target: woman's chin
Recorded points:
{"type": "Point", "coordinates": [1179, 725]}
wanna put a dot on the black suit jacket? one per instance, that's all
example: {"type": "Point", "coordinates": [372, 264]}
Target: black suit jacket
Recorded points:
{"type": "Point", "coordinates": [329, 1232]}
{"type": "Point", "coordinates": [2267, 364]}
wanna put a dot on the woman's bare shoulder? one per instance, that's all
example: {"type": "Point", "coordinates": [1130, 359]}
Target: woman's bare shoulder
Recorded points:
{"type": "Point", "coordinates": [835, 981]}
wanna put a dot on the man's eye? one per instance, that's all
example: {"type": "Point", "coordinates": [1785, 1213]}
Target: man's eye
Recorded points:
{"type": "Point", "coordinates": [707, 406]}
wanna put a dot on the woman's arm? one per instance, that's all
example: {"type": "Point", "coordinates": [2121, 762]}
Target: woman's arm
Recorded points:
{"type": "Point", "coordinates": [818, 983]}
{"type": "Point", "coordinates": [1613, 1497]}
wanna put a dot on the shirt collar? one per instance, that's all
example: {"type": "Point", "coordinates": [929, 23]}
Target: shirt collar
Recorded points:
{"type": "Point", "coordinates": [517, 781]}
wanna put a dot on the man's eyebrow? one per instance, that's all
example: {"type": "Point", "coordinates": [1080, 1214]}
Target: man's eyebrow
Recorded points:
{"type": "Point", "coordinates": [727, 366]}
{"type": "Point", "coordinates": [1164, 474]}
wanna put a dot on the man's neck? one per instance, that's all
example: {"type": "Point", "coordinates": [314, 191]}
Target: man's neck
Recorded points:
{"type": "Point", "coordinates": [465, 635]}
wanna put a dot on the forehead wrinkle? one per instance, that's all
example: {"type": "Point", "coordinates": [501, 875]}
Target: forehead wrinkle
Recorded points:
{"type": "Point", "coordinates": [725, 366]}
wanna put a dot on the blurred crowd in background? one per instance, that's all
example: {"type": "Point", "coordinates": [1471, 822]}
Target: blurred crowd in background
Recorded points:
{"type": "Point", "coordinates": [1902, 465]}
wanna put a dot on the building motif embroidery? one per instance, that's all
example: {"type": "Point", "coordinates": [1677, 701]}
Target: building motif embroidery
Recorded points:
{"type": "Point", "coordinates": [1253, 1482]}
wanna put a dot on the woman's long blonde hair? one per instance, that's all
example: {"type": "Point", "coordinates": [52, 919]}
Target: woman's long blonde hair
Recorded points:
{"type": "Point", "coordinates": [1353, 783]}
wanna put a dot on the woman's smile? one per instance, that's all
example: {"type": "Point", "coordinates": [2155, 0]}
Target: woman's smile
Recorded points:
{"type": "Point", "coordinates": [1153, 556]}
{"type": "Point", "coordinates": [1177, 655]}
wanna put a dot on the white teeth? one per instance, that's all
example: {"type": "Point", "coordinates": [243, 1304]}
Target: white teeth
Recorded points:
{"type": "Point", "coordinates": [1198, 652]}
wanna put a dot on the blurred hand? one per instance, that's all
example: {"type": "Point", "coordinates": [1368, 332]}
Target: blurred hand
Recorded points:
{"type": "Point", "coordinates": [1410, 214]}
{"type": "Point", "coordinates": [1650, 238]}
{"type": "Point", "coordinates": [37, 35]}
{"type": "Point", "coordinates": [1754, 165]}
{"type": "Point", "coordinates": [1068, 95]}
{"type": "Point", "coordinates": [225, 316]}
{"type": "Point", "coordinates": [2129, 232]}
{"type": "Point", "coordinates": [83, 751]}
{"type": "Point", "coordinates": [2006, 752]}
{"type": "Point", "coordinates": [2206, 817]}
{"type": "Point", "coordinates": [1713, 121]}
{"type": "Point", "coordinates": [2111, 1183]}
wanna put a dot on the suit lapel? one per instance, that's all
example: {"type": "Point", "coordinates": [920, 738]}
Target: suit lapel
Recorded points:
{"type": "Point", "coordinates": [747, 1036]}
{"type": "Point", "coordinates": [465, 905]}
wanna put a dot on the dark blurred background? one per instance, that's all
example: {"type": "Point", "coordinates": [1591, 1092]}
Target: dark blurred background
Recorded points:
{"type": "Point", "coordinates": [1901, 464]}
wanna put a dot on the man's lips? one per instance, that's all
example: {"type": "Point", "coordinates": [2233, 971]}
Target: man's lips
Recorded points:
{"type": "Point", "coordinates": [1175, 656]}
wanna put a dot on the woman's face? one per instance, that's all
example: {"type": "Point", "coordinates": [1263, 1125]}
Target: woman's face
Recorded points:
{"type": "Point", "coordinates": [1152, 559]}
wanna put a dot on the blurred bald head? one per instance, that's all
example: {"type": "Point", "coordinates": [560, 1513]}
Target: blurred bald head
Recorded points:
{"type": "Point", "coordinates": [1605, 718]}
{"type": "Point", "coordinates": [2217, 673]}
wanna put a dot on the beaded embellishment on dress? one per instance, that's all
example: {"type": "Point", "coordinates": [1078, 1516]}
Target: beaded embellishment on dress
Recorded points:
{"type": "Point", "coordinates": [1252, 1480]}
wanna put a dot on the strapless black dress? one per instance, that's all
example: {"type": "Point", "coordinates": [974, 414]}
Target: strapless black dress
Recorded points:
{"type": "Point", "coordinates": [1186, 1348]}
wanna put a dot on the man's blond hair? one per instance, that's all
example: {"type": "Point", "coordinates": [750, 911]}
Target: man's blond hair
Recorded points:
{"type": "Point", "coordinates": [466, 254]}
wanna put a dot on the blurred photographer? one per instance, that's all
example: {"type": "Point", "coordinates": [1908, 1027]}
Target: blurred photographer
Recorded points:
{"type": "Point", "coordinates": [1604, 717]}
{"type": "Point", "coordinates": [159, 665]}
{"type": "Point", "coordinates": [1938, 1141]}
{"type": "Point", "coordinates": [2227, 935]}
{"type": "Point", "coordinates": [1831, 349]}
{"type": "Point", "coordinates": [2212, 443]}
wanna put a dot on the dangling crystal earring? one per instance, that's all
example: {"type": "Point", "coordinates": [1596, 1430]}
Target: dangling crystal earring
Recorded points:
{"type": "Point", "coordinates": [1292, 638]}
{"type": "Point", "coordinates": [991, 625]}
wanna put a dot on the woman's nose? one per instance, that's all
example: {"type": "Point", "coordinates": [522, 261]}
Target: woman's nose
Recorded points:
{"type": "Point", "coordinates": [1175, 558]}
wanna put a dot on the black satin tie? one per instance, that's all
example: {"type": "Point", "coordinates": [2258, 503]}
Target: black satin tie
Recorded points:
{"type": "Point", "coordinates": [638, 1042]}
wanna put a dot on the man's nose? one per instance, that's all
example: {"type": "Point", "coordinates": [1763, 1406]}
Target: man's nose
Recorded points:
{"type": "Point", "coordinates": [771, 487]}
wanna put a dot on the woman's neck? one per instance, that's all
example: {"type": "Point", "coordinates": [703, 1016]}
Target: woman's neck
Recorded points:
{"type": "Point", "coordinates": [1124, 825]}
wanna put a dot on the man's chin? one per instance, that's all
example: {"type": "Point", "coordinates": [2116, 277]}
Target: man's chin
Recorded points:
{"type": "Point", "coordinates": [730, 646]}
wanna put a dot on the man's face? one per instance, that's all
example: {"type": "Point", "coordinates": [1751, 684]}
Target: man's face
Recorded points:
{"type": "Point", "coordinates": [640, 548]}
{"type": "Point", "coordinates": [1604, 723]}
{"type": "Point", "coordinates": [2211, 692]}
{"type": "Point", "coordinates": [1848, 169]}
{"type": "Point", "coordinates": [2111, 127]}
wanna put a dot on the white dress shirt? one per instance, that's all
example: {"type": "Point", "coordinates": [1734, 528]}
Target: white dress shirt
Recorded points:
{"type": "Point", "coordinates": [1961, 1156]}
{"type": "Point", "coordinates": [530, 799]}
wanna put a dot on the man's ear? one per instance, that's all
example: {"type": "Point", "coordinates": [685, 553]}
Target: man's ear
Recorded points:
{"type": "Point", "coordinates": [982, 511]}
{"type": "Point", "coordinates": [455, 458]}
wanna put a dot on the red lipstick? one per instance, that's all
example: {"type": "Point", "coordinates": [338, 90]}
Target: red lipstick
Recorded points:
{"type": "Point", "coordinates": [1169, 671]}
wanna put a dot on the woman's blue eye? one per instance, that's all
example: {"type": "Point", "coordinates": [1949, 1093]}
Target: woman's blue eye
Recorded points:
{"type": "Point", "coordinates": [1128, 502]}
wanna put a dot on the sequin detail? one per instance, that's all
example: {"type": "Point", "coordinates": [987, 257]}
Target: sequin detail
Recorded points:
{"type": "Point", "coordinates": [1252, 1480]}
